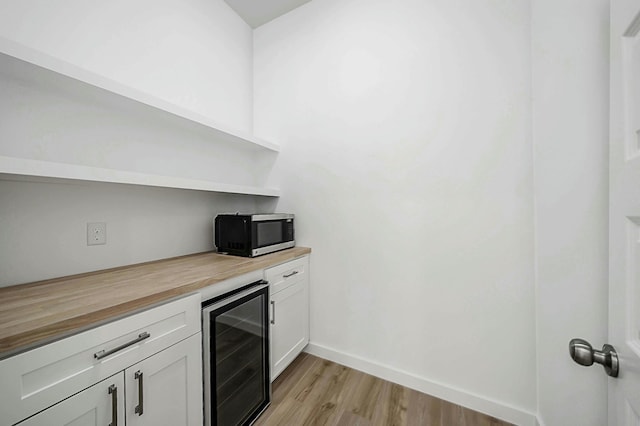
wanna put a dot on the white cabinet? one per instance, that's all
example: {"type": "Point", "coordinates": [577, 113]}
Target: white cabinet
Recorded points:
{"type": "Point", "coordinates": [166, 389]}
{"type": "Point", "coordinates": [91, 407]}
{"type": "Point", "coordinates": [289, 316]}
{"type": "Point", "coordinates": [165, 340]}
{"type": "Point", "coordinates": [163, 389]}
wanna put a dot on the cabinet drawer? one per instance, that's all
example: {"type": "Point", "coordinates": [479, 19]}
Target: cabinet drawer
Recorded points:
{"type": "Point", "coordinates": [282, 276]}
{"type": "Point", "coordinates": [34, 380]}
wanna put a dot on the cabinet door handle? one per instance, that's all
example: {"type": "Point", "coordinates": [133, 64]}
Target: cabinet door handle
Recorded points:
{"type": "Point", "coordinates": [291, 274]}
{"type": "Point", "coordinates": [139, 410]}
{"type": "Point", "coordinates": [113, 391]}
{"type": "Point", "coordinates": [273, 312]}
{"type": "Point", "coordinates": [103, 353]}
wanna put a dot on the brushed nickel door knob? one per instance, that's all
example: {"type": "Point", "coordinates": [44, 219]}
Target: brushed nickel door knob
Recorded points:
{"type": "Point", "coordinates": [583, 353]}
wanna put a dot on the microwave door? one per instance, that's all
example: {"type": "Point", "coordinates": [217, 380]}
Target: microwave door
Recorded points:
{"type": "Point", "coordinates": [268, 233]}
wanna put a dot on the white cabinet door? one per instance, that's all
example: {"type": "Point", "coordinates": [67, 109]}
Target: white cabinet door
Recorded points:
{"type": "Point", "coordinates": [93, 406]}
{"type": "Point", "coordinates": [166, 388]}
{"type": "Point", "coordinates": [289, 325]}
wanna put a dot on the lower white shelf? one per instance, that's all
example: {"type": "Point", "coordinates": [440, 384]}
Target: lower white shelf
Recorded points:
{"type": "Point", "coordinates": [48, 169]}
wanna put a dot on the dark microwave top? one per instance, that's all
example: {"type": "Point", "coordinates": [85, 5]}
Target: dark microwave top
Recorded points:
{"type": "Point", "coordinates": [261, 217]}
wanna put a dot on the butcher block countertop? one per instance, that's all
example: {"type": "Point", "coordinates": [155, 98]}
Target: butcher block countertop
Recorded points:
{"type": "Point", "coordinates": [37, 313]}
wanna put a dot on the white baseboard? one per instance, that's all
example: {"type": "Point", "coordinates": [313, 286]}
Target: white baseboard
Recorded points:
{"type": "Point", "coordinates": [456, 396]}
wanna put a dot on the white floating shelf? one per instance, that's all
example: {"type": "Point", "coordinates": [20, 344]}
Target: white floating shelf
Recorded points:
{"type": "Point", "coordinates": [48, 169]}
{"type": "Point", "coordinates": [21, 60]}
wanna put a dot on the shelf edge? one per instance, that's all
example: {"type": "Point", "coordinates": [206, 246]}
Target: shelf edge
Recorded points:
{"type": "Point", "coordinates": [49, 169]}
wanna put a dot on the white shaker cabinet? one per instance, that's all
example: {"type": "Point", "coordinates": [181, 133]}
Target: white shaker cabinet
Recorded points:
{"type": "Point", "coordinates": [67, 382]}
{"type": "Point", "coordinates": [289, 316]}
{"type": "Point", "coordinates": [91, 407]}
{"type": "Point", "coordinates": [166, 389]}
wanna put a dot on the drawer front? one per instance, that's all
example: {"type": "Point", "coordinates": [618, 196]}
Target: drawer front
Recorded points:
{"type": "Point", "coordinates": [37, 379]}
{"type": "Point", "coordinates": [287, 274]}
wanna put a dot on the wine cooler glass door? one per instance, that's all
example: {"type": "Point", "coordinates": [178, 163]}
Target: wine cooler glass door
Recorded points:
{"type": "Point", "coordinates": [237, 386]}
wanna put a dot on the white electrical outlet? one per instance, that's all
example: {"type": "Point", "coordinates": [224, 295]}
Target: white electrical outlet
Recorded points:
{"type": "Point", "coordinates": [96, 233]}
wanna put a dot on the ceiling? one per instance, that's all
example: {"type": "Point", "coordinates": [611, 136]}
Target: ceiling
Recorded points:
{"type": "Point", "coordinates": [258, 12]}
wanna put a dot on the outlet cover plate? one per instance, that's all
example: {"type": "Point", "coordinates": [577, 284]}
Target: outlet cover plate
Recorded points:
{"type": "Point", "coordinates": [96, 233]}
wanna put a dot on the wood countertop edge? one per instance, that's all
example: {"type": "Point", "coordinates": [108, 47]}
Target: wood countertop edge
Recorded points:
{"type": "Point", "coordinates": [42, 335]}
{"type": "Point", "coordinates": [31, 339]}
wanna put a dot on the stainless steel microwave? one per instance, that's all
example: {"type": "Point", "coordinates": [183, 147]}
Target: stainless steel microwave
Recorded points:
{"type": "Point", "coordinates": [253, 235]}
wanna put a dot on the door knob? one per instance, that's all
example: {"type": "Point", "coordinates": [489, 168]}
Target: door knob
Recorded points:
{"type": "Point", "coordinates": [584, 354]}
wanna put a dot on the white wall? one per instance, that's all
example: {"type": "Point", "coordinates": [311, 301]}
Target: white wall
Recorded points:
{"type": "Point", "coordinates": [406, 154]}
{"type": "Point", "coordinates": [43, 225]}
{"type": "Point", "coordinates": [570, 128]}
{"type": "Point", "coordinates": [195, 53]}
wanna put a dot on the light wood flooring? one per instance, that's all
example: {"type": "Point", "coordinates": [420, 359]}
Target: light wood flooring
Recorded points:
{"type": "Point", "coordinates": [314, 391]}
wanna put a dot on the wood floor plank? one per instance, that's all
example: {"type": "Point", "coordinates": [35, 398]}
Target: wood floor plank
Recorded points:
{"type": "Point", "coordinates": [347, 418]}
{"type": "Point", "coordinates": [363, 400]}
{"type": "Point", "coordinates": [325, 401]}
{"type": "Point", "coordinates": [349, 387]}
{"type": "Point", "coordinates": [452, 415]}
{"type": "Point", "coordinates": [290, 376]}
{"type": "Point", "coordinates": [391, 408]}
{"type": "Point", "coordinates": [424, 409]}
{"type": "Point", "coordinates": [287, 412]}
{"type": "Point", "coordinates": [311, 383]}
{"type": "Point", "coordinates": [314, 391]}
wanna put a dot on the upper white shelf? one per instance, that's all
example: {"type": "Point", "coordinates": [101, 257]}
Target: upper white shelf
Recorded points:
{"type": "Point", "coordinates": [41, 64]}
{"type": "Point", "coordinates": [48, 169]}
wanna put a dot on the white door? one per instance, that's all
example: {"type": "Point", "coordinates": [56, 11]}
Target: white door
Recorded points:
{"type": "Point", "coordinates": [624, 212]}
{"type": "Point", "coordinates": [289, 325]}
{"type": "Point", "coordinates": [166, 388]}
{"type": "Point", "coordinates": [101, 404]}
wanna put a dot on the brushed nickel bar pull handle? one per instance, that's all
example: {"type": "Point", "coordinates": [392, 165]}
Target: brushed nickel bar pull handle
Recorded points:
{"type": "Point", "coordinates": [113, 391]}
{"type": "Point", "coordinates": [101, 354]}
{"type": "Point", "coordinates": [290, 275]}
{"type": "Point", "coordinates": [273, 312]}
{"type": "Point", "coordinates": [139, 410]}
